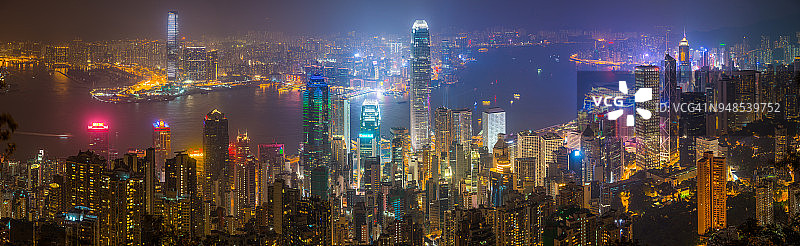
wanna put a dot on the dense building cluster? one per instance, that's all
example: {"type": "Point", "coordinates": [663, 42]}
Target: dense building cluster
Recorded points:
{"type": "Point", "coordinates": [443, 180]}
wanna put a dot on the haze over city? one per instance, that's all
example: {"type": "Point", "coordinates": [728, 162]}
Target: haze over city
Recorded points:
{"type": "Point", "coordinates": [400, 122]}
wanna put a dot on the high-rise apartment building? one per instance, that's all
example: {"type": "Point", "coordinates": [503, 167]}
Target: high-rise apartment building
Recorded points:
{"type": "Point", "coordinates": [647, 126]}
{"type": "Point", "coordinates": [711, 193]}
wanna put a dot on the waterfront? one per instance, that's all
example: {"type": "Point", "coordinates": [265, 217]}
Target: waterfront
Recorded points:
{"type": "Point", "coordinates": [268, 115]}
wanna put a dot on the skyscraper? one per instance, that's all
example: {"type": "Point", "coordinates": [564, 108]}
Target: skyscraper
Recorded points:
{"type": "Point", "coordinates": [493, 122]}
{"type": "Point", "coordinates": [462, 126]}
{"type": "Point", "coordinates": [273, 157]}
{"type": "Point", "coordinates": [82, 181]}
{"type": "Point", "coordinates": [98, 139]}
{"type": "Point", "coordinates": [340, 127]}
{"type": "Point", "coordinates": [172, 46]}
{"type": "Point", "coordinates": [711, 193]}
{"type": "Point", "coordinates": [419, 93]}
{"type": "Point", "coordinates": [316, 143]}
{"type": "Point", "coordinates": [369, 132]}
{"type": "Point", "coordinates": [443, 126]}
{"type": "Point", "coordinates": [401, 151]}
{"type": "Point", "coordinates": [215, 154]}
{"type": "Point", "coordinates": [685, 66]}
{"type": "Point", "coordinates": [647, 129]}
{"type": "Point", "coordinates": [669, 119]}
{"type": "Point", "coordinates": [162, 145]}
{"type": "Point", "coordinates": [195, 63]}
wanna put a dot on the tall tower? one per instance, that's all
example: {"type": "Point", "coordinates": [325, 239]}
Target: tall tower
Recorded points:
{"type": "Point", "coordinates": [647, 130]}
{"type": "Point", "coordinates": [316, 101]}
{"type": "Point", "coordinates": [443, 129]}
{"type": "Point", "coordinates": [711, 193]}
{"type": "Point", "coordinates": [98, 139]}
{"type": "Point", "coordinates": [162, 145]}
{"type": "Point", "coordinates": [369, 133]}
{"type": "Point", "coordinates": [401, 151]}
{"type": "Point", "coordinates": [316, 153]}
{"type": "Point", "coordinates": [669, 119]}
{"type": "Point", "coordinates": [340, 130]}
{"type": "Point", "coordinates": [215, 155]}
{"type": "Point", "coordinates": [493, 123]}
{"type": "Point", "coordinates": [685, 65]}
{"type": "Point", "coordinates": [172, 46]}
{"type": "Point", "coordinates": [419, 93]}
{"type": "Point", "coordinates": [462, 126]}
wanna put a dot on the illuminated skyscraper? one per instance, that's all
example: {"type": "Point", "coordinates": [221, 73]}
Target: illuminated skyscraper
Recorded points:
{"type": "Point", "coordinates": [316, 153]}
{"type": "Point", "coordinates": [419, 91]}
{"type": "Point", "coordinates": [502, 158]}
{"type": "Point", "coordinates": [273, 157]}
{"type": "Point", "coordinates": [98, 139]}
{"type": "Point", "coordinates": [172, 46]}
{"type": "Point", "coordinates": [744, 88]}
{"type": "Point", "coordinates": [493, 122]}
{"type": "Point", "coordinates": [215, 155]}
{"type": "Point", "coordinates": [369, 133]}
{"type": "Point", "coordinates": [647, 129]}
{"type": "Point", "coordinates": [83, 181]}
{"type": "Point", "coordinates": [711, 193]}
{"type": "Point", "coordinates": [340, 129]}
{"type": "Point", "coordinates": [401, 151]}
{"type": "Point", "coordinates": [764, 202]}
{"type": "Point", "coordinates": [685, 66]}
{"type": "Point", "coordinates": [462, 126]}
{"type": "Point", "coordinates": [162, 145]}
{"type": "Point", "coordinates": [669, 119]}
{"type": "Point", "coordinates": [443, 129]}
{"type": "Point", "coordinates": [244, 173]}
{"type": "Point", "coordinates": [195, 63]}
{"type": "Point", "coordinates": [183, 206]}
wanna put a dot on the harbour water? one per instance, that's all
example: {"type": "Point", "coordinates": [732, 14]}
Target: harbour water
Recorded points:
{"type": "Point", "coordinates": [47, 105]}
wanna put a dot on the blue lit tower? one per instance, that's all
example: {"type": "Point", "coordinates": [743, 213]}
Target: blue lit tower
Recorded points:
{"type": "Point", "coordinates": [419, 93]}
{"type": "Point", "coordinates": [369, 132]}
{"type": "Point", "coordinates": [172, 46]}
{"type": "Point", "coordinates": [316, 144]}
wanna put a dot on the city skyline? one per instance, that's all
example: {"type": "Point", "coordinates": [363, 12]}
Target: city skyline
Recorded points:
{"type": "Point", "coordinates": [560, 134]}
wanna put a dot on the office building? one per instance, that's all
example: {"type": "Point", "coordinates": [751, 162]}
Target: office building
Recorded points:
{"type": "Point", "coordinates": [215, 155]}
{"type": "Point", "coordinates": [685, 66]}
{"type": "Point", "coordinates": [195, 63]}
{"type": "Point", "coordinates": [98, 139]}
{"type": "Point", "coordinates": [162, 144]}
{"type": "Point", "coordinates": [443, 130]}
{"type": "Point", "coordinates": [173, 47]}
{"type": "Point", "coordinates": [401, 155]}
{"type": "Point", "coordinates": [316, 145]}
{"type": "Point", "coordinates": [419, 91]}
{"type": "Point", "coordinates": [462, 126]}
{"type": "Point", "coordinates": [369, 131]}
{"type": "Point", "coordinates": [493, 122]}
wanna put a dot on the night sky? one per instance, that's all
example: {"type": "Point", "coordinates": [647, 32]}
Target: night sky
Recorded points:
{"type": "Point", "coordinates": [102, 19]}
